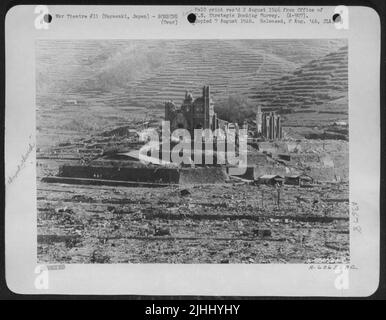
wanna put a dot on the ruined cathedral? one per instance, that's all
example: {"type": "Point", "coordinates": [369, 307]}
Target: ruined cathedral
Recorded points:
{"type": "Point", "coordinates": [199, 114]}
{"type": "Point", "coordinates": [193, 114]}
{"type": "Point", "coordinates": [268, 125]}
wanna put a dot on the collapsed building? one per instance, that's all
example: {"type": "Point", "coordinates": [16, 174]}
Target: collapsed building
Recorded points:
{"type": "Point", "coordinates": [199, 114]}
{"type": "Point", "coordinates": [194, 113]}
{"type": "Point", "coordinates": [268, 125]}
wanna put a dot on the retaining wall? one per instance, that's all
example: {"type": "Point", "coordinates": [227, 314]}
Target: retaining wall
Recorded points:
{"type": "Point", "coordinates": [207, 175]}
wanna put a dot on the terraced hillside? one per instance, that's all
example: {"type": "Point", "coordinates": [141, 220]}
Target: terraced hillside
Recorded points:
{"type": "Point", "coordinates": [150, 72]}
{"type": "Point", "coordinates": [314, 92]}
{"type": "Point", "coordinates": [84, 87]}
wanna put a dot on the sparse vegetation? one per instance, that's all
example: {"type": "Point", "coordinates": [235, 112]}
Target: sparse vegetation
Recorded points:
{"type": "Point", "coordinates": [236, 108]}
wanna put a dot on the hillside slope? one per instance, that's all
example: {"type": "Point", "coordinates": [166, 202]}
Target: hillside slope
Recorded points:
{"type": "Point", "coordinates": [88, 86]}
{"type": "Point", "coordinates": [142, 73]}
{"type": "Point", "coordinates": [312, 84]}
{"type": "Point", "coordinates": [315, 92]}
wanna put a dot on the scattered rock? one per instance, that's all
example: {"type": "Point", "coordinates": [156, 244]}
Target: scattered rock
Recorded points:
{"type": "Point", "coordinates": [99, 257]}
{"type": "Point", "coordinates": [161, 231]}
{"type": "Point", "coordinates": [81, 198]}
{"type": "Point", "coordinates": [262, 233]}
{"type": "Point", "coordinates": [111, 209]}
{"type": "Point", "coordinates": [184, 192]}
{"type": "Point", "coordinates": [64, 210]}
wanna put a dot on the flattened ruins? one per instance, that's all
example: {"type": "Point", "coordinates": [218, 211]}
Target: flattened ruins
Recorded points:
{"type": "Point", "coordinates": [98, 202]}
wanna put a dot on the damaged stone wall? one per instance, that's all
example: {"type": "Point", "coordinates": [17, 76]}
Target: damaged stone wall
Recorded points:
{"type": "Point", "coordinates": [208, 175]}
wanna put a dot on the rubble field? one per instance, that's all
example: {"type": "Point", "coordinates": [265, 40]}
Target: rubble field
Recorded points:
{"type": "Point", "coordinates": [229, 223]}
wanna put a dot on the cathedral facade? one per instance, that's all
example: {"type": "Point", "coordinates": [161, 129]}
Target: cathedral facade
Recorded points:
{"type": "Point", "coordinates": [193, 113]}
{"type": "Point", "coordinates": [199, 114]}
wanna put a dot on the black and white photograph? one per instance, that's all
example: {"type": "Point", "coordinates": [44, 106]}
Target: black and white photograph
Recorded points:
{"type": "Point", "coordinates": [192, 151]}
{"type": "Point", "coordinates": [100, 101]}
